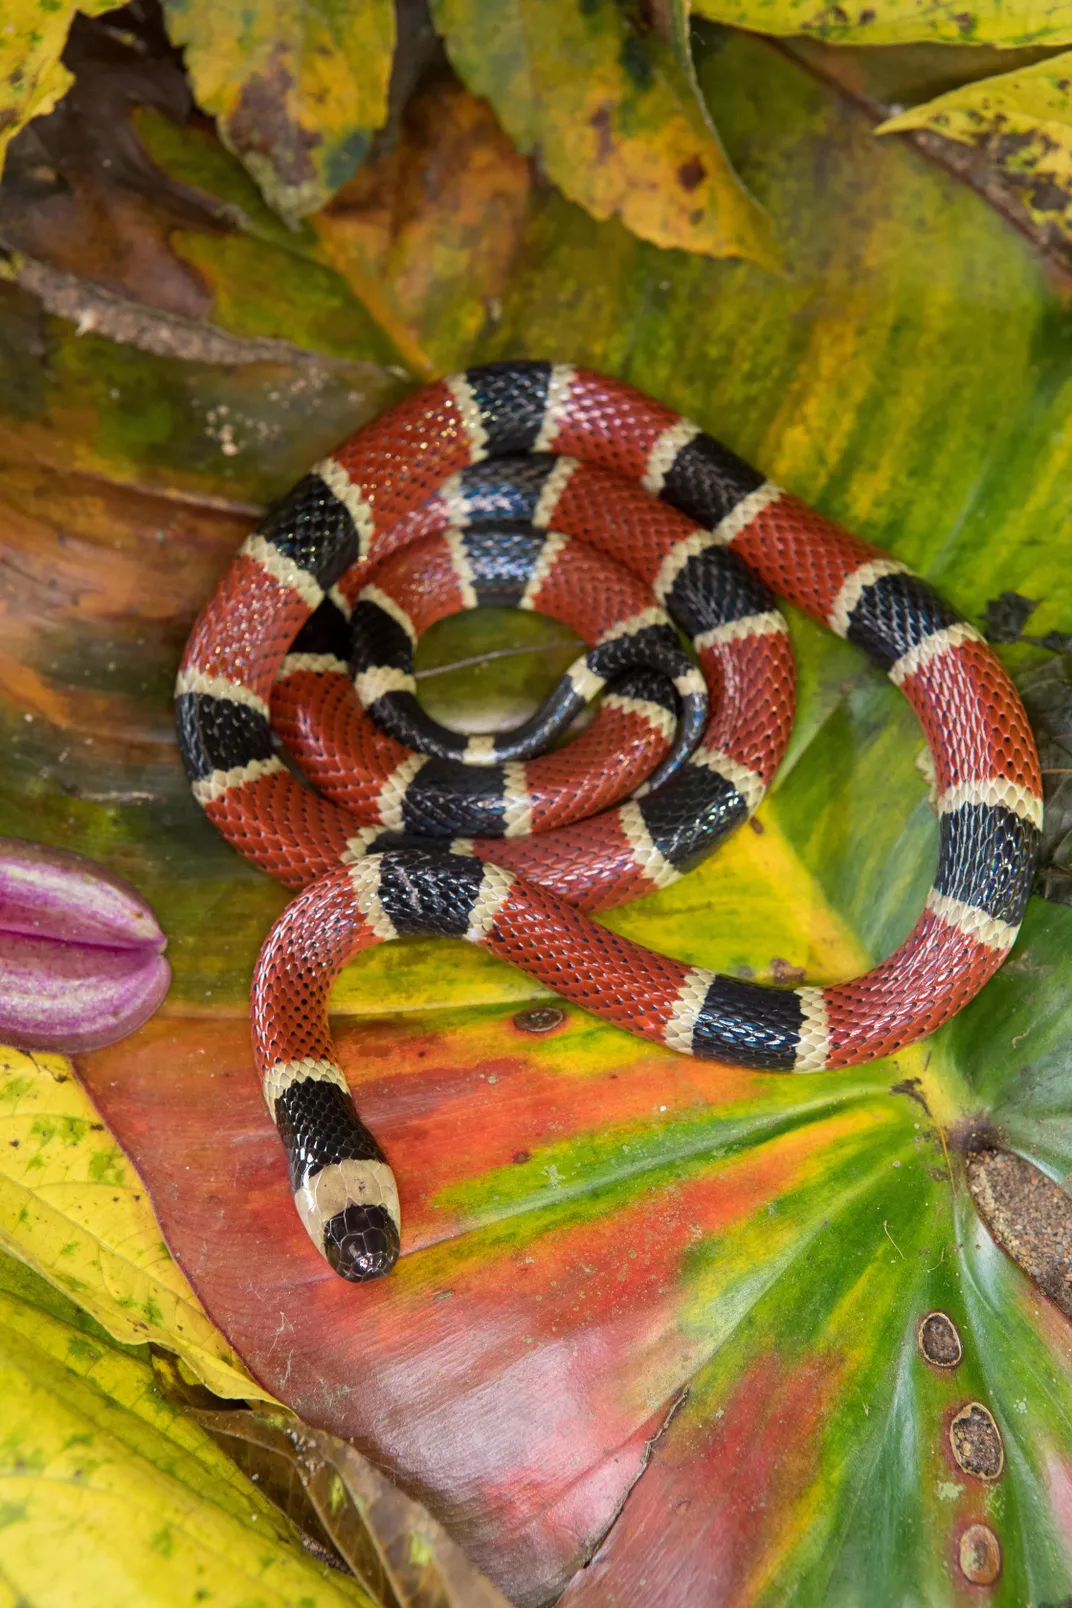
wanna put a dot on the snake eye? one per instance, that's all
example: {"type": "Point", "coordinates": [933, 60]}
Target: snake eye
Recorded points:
{"type": "Point", "coordinates": [361, 1242]}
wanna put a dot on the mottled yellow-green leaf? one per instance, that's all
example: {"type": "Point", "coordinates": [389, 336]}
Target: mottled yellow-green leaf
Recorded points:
{"type": "Point", "coordinates": [72, 1206]}
{"type": "Point", "coordinates": [612, 116]}
{"type": "Point", "coordinates": [896, 22]}
{"type": "Point", "coordinates": [32, 77]}
{"type": "Point", "coordinates": [110, 1495]}
{"type": "Point", "coordinates": [1023, 122]}
{"type": "Point", "coordinates": [297, 89]}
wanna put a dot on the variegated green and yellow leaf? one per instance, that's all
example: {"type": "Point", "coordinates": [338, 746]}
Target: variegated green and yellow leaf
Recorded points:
{"type": "Point", "coordinates": [614, 117]}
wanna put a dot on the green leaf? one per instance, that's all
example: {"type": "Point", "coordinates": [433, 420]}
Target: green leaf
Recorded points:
{"type": "Point", "coordinates": [112, 1495]}
{"type": "Point", "coordinates": [673, 20]}
{"type": "Point", "coordinates": [613, 116]}
{"type": "Point", "coordinates": [32, 77]}
{"type": "Point", "coordinates": [1022, 122]}
{"type": "Point", "coordinates": [895, 22]}
{"type": "Point", "coordinates": [297, 90]}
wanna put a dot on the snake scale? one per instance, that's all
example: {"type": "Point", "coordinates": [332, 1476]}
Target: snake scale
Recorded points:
{"type": "Point", "coordinates": [553, 488]}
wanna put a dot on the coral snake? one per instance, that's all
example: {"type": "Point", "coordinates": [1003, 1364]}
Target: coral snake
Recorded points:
{"type": "Point", "coordinates": [556, 489]}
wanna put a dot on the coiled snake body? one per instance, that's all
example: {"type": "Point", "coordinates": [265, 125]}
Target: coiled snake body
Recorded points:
{"type": "Point", "coordinates": [557, 489]}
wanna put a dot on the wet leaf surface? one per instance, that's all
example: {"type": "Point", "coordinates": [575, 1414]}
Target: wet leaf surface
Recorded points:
{"type": "Point", "coordinates": [655, 1336]}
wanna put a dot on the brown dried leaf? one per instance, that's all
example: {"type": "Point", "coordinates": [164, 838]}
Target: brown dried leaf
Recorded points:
{"type": "Point", "coordinates": [396, 1549]}
{"type": "Point", "coordinates": [431, 227]}
{"type": "Point", "coordinates": [79, 190]}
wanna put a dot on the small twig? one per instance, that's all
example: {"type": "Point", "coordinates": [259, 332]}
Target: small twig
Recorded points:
{"type": "Point", "coordinates": [478, 659]}
{"type": "Point", "coordinates": [948, 1163]}
{"type": "Point", "coordinates": [893, 1242]}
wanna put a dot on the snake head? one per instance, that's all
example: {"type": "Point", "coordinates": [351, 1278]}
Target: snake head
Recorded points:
{"type": "Point", "coordinates": [350, 1210]}
{"type": "Point", "coordinates": [361, 1242]}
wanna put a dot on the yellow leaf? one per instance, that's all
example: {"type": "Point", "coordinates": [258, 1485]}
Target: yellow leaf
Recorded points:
{"type": "Point", "coordinates": [32, 78]}
{"type": "Point", "coordinates": [896, 22]}
{"type": "Point", "coordinates": [297, 89]}
{"type": "Point", "coordinates": [73, 1208]}
{"type": "Point", "coordinates": [1022, 121]}
{"type": "Point", "coordinates": [612, 116]}
{"type": "Point", "coordinates": [112, 1496]}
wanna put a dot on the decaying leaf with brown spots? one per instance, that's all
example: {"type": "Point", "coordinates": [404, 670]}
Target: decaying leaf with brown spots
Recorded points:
{"type": "Point", "coordinates": [1022, 123]}
{"type": "Point", "coordinates": [297, 89]}
{"type": "Point", "coordinates": [896, 22]}
{"type": "Point", "coordinates": [429, 229]}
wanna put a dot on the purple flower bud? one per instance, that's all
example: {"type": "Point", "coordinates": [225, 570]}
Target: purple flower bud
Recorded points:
{"type": "Point", "coordinates": [81, 954]}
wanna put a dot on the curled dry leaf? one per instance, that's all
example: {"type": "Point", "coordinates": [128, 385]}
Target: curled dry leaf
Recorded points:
{"type": "Point", "coordinates": [80, 191]}
{"type": "Point", "coordinates": [81, 953]}
{"type": "Point", "coordinates": [398, 1552]}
